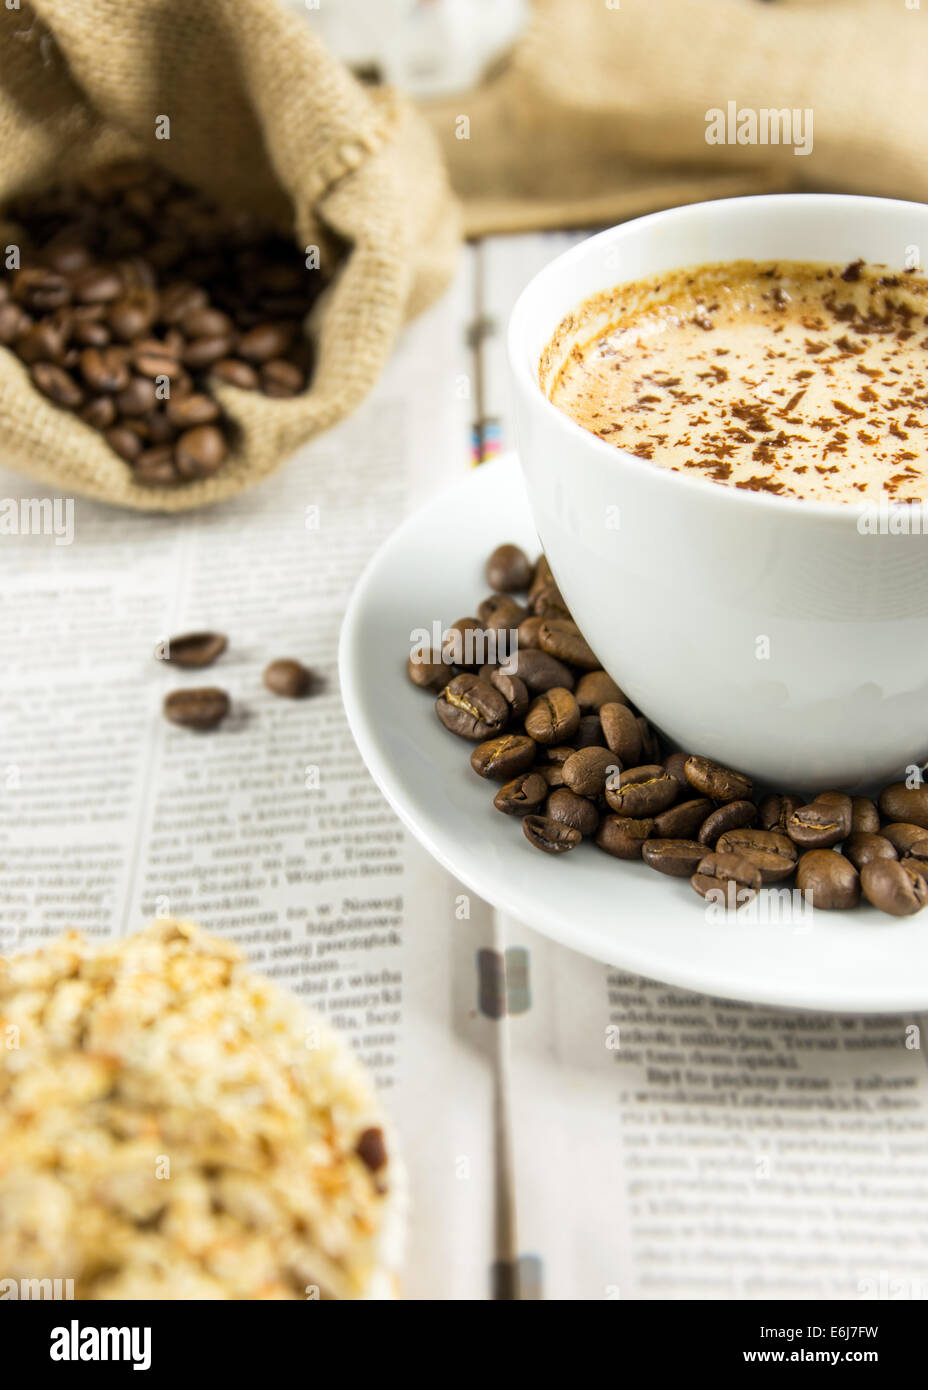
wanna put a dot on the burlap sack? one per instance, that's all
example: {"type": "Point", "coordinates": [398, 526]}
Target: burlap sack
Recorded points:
{"type": "Point", "coordinates": [599, 113]}
{"type": "Point", "coordinates": [262, 116]}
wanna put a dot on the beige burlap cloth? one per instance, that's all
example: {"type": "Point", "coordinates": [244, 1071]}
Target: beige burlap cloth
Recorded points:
{"type": "Point", "coordinates": [263, 117]}
{"type": "Point", "coordinates": [599, 113]}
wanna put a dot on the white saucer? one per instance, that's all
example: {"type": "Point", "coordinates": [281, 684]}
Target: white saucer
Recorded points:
{"type": "Point", "coordinates": [432, 568]}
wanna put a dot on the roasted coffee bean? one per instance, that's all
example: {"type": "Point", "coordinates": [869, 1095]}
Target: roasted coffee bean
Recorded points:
{"type": "Point", "coordinates": [589, 732]}
{"type": "Point", "coordinates": [179, 300]}
{"type": "Point", "coordinates": [155, 467]}
{"type": "Point", "coordinates": [12, 323]}
{"type": "Point", "coordinates": [861, 846]}
{"type": "Point", "coordinates": [200, 452]}
{"type": "Point", "coordinates": [865, 818]}
{"type": "Point", "coordinates": [840, 803]}
{"type": "Point", "coordinates": [918, 850]}
{"type": "Point", "coordinates": [560, 637]}
{"type": "Point", "coordinates": [97, 285]}
{"type": "Point", "coordinates": [426, 669]}
{"type": "Point", "coordinates": [55, 383]}
{"type": "Point", "coordinates": [522, 795]}
{"type": "Point", "coordinates": [201, 708]}
{"type": "Point", "coordinates": [901, 803]}
{"type": "Point", "coordinates": [153, 358]}
{"type": "Point", "coordinates": [160, 430]}
{"type": "Point", "coordinates": [548, 602]}
{"type": "Point", "coordinates": [504, 757]}
{"type": "Point", "coordinates": [125, 443]}
{"type": "Point", "coordinates": [676, 766]}
{"type": "Point", "coordinates": [139, 397]}
{"type": "Point", "coordinates": [235, 373]}
{"type": "Point", "coordinates": [509, 569]}
{"type": "Point", "coordinates": [90, 333]}
{"type": "Point", "coordinates": [588, 770]}
{"type": "Point", "coordinates": [513, 690]}
{"type": "Point", "coordinates": [66, 256]}
{"type": "Point", "coordinates": [555, 753]}
{"type": "Point", "coordinates": [201, 353]}
{"type": "Point", "coordinates": [904, 837]}
{"type": "Point", "coordinates": [553, 774]}
{"type": "Point", "coordinates": [897, 887]}
{"type": "Point", "coordinates": [203, 322]}
{"type": "Point", "coordinates": [642, 791]}
{"type": "Point", "coordinates": [505, 616]}
{"type": "Point", "coordinates": [820, 824]}
{"type": "Point", "coordinates": [494, 604]}
{"type": "Point", "coordinates": [650, 743]}
{"type": "Point", "coordinates": [624, 836]}
{"type": "Point", "coordinates": [775, 811]}
{"type": "Point", "coordinates": [828, 880]}
{"type": "Point", "coordinates": [132, 315]}
{"type": "Point", "coordinates": [683, 822]}
{"type": "Point", "coordinates": [570, 808]}
{"type": "Point", "coordinates": [190, 411]}
{"type": "Point", "coordinates": [726, 878]}
{"type": "Point", "coordinates": [40, 290]}
{"type": "Point", "coordinates": [621, 732]}
{"type": "Point", "coordinates": [281, 379]}
{"type": "Point", "coordinates": [41, 342]}
{"type": "Point", "coordinates": [594, 688]}
{"type": "Point", "coordinates": [464, 643]}
{"type": "Point", "coordinates": [193, 650]}
{"type": "Point", "coordinates": [288, 677]}
{"type": "Point", "coordinates": [105, 369]}
{"type": "Point", "coordinates": [680, 858]}
{"type": "Point", "coordinates": [265, 341]}
{"type": "Point", "coordinates": [713, 780]}
{"type": "Point", "coordinates": [539, 671]}
{"type": "Point", "coordinates": [732, 815]}
{"type": "Point", "coordinates": [541, 575]}
{"type": "Point", "coordinates": [549, 835]}
{"type": "Point", "coordinates": [99, 413]}
{"type": "Point", "coordinates": [553, 717]}
{"type": "Point", "coordinates": [772, 853]}
{"type": "Point", "coordinates": [528, 632]}
{"type": "Point", "coordinates": [472, 708]}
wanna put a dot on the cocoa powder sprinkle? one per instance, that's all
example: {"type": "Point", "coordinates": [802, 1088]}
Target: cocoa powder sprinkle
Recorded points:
{"type": "Point", "coordinates": [634, 365]}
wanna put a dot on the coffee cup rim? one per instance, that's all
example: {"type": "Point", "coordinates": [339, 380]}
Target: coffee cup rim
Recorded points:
{"type": "Point", "coordinates": [618, 459]}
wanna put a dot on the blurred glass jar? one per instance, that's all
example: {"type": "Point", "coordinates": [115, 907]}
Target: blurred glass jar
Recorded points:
{"type": "Point", "coordinates": [428, 48]}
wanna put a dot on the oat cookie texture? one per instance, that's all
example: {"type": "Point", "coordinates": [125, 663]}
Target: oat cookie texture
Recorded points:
{"type": "Point", "coordinates": [173, 1126]}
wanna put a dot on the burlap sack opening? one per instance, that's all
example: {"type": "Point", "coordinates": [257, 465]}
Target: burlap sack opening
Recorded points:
{"type": "Point", "coordinates": [261, 117]}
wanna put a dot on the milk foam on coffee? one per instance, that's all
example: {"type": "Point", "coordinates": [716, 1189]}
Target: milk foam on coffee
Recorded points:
{"type": "Point", "coordinates": [796, 379]}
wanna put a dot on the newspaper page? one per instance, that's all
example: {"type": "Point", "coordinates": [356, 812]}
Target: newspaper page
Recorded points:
{"type": "Point", "coordinates": [269, 830]}
{"type": "Point", "coordinates": [713, 1149]}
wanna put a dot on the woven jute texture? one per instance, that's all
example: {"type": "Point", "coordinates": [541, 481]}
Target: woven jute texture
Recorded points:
{"type": "Point", "coordinates": [599, 112]}
{"type": "Point", "coordinates": [261, 117]}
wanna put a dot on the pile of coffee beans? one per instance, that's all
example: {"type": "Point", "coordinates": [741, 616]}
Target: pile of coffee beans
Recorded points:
{"type": "Point", "coordinates": [204, 707]}
{"type": "Point", "coordinates": [132, 292]}
{"type": "Point", "coordinates": [576, 761]}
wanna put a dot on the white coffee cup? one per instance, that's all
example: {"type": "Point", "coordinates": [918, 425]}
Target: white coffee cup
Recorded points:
{"type": "Point", "coordinates": [781, 637]}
